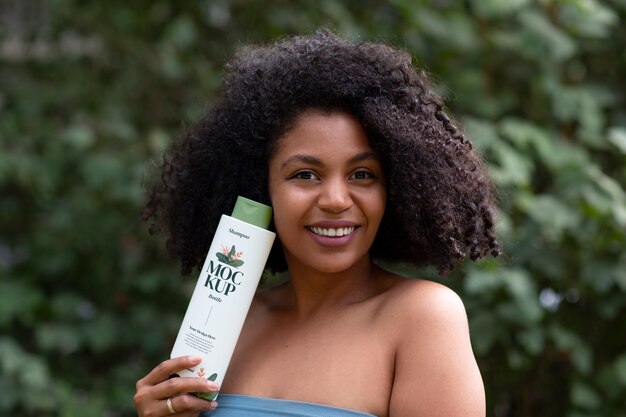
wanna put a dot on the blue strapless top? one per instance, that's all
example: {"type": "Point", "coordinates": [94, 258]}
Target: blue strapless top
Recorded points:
{"type": "Point", "coordinates": [234, 405]}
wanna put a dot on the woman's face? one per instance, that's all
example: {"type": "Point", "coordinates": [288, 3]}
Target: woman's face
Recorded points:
{"type": "Point", "coordinates": [327, 191]}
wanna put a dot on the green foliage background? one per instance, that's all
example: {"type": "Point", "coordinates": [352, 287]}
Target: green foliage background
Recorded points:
{"type": "Point", "coordinates": [91, 93]}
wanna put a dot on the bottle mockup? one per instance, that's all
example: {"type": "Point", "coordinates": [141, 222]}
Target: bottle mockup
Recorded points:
{"type": "Point", "coordinates": [224, 291]}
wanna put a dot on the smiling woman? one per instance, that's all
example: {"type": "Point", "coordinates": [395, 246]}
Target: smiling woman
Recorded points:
{"type": "Point", "coordinates": [353, 150]}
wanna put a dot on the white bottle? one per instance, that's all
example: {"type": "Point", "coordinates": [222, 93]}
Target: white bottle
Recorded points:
{"type": "Point", "coordinates": [224, 291]}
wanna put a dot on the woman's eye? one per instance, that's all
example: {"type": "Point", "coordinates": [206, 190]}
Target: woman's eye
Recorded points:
{"type": "Point", "coordinates": [362, 175]}
{"type": "Point", "coordinates": [305, 175]}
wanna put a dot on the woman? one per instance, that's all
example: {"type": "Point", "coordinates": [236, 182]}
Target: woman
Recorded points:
{"type": "Point", "coordinates": [350, 146]}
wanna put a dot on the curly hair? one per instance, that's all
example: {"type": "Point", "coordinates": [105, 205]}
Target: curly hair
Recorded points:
{"type": "Point", "coordinates": [440, 202]}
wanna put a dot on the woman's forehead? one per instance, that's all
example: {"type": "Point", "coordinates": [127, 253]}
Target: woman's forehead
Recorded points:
{"type": "Point", "coordinates": [316, 130]}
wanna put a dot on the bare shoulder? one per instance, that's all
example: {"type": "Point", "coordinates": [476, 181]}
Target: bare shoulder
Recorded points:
{"type": "Point", "coordinates": [419, 303]}
{"type": "Point", "coordinates": [436, 373]}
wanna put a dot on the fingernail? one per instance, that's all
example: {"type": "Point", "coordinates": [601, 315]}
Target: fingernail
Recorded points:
{"type": "Point", "coordinates": [212, 386]}
{"type": "Point", "coordinates": [213, 404]}
{"type": "Point", "coordinates": [195, 358]}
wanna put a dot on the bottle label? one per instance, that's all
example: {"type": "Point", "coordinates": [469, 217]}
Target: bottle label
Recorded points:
{"type": "Point", "coordinates": [222, 296]}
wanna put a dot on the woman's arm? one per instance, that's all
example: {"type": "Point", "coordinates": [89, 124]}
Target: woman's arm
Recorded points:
{"type": "Point", "coordinates": [436, 374]}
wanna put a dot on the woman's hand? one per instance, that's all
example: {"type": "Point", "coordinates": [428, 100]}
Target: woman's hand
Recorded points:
{"type": "Point", "coordinates": [159, 395]}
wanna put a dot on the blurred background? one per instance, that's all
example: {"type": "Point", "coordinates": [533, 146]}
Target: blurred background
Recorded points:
{"type": "Point", "coordinates": [91, 93]}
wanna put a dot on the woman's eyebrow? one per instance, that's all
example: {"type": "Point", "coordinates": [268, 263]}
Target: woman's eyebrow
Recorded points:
{"type": "Point", "coordinates": [308, 159]}
{"type": "Point", "coordinates": [363, 156]}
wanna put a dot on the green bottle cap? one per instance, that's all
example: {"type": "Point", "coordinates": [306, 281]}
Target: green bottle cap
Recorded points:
{"type": "Point", "coordinates": [252, 212]}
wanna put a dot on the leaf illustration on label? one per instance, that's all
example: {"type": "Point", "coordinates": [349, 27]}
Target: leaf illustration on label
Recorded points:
{"type": "Point", "coordinates": [213, 377]}
{"type": "Point", "coordinates": [210, 396]}
{"type": "Point", "coordinates": [230, 256]}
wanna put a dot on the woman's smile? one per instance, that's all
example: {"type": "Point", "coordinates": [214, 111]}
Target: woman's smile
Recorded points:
{"type": "Point", "coordinates": [333, 234]}
{"type": "Point", "coordinates": [331, 231]}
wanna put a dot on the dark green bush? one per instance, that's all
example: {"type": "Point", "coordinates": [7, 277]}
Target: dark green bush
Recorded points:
{"type": "Point", "coordinates": [92, 92]}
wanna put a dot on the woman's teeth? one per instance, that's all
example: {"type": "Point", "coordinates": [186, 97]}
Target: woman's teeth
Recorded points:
{"type": "Point", "coordinates": [338, 232]}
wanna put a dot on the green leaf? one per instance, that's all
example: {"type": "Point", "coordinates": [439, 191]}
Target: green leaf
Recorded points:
{"type": "Point", "coordinates": [584, 396]}
{"type": "Point", "coordinates": [617, 136]}
{"type": "Point", "coordinates": [620, 368]}
{"type": "Point", "coordinates": [18, 300]}
{"type": "Point", "coordinates": [612, 193]}
{"type": "Point", "coordinates": [587, 17]}
{"type": "Point", "coordinates": [213, 377]}
{"type": "Point", "coordinates": [78, 136]}
{"type": "Point", "coordinates": [552, 214]}
{"type": "Point", "coordinates": [210, 396]}
{"type": "Point", "coordinates": [28, 370]}
{"type": "Point", "coordinates": [512, 168]}
{"type": "Point", "coordinates": [478, 281]}
{"type": "Point", "coordinates": [182, 32]}
{"type": "Point", "coordinates": [221, 257]}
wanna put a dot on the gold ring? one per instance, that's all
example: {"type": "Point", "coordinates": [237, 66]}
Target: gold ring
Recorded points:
{"type": "Point", "coordinates": [170, 407]}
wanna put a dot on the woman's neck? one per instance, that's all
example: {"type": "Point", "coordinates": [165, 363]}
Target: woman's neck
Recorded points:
{"type": "Point", "coordinates": [313, 292]}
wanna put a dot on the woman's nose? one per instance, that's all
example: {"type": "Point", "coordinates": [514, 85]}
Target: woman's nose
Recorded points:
{"type": "Point", "coordinates": [335, 196]}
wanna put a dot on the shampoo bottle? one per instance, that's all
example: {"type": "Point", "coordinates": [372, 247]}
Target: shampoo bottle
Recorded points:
{"type": "Point", "coordinates": [224, 291]}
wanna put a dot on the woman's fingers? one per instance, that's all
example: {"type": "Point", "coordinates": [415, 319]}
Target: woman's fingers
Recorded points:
{"type": "Point", "coordinates": [175, 386]}
{"type": "Point", "coordinates": [167, 368]}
